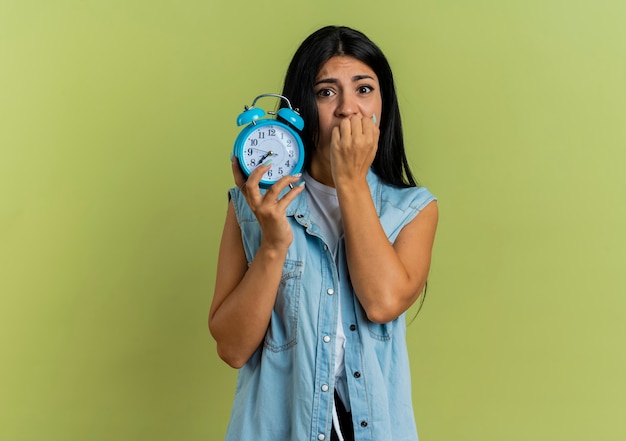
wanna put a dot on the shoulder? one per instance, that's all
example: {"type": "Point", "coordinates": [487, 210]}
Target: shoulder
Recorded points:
{"type": "Point", "coordinates": [242, 209]}
{"type": "Point", "coordinates": [397, 206]}
{"type": "Point", "coordinates": [390, 196]}
{"type": "Point", "coordinates": [412, 198]}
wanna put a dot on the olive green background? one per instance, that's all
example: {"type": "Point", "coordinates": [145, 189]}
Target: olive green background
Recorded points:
{"type": "Point", "coordinates": [116, 124]}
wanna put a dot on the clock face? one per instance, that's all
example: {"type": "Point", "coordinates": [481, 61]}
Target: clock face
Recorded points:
{"type": "Point", "coordinates": [274, 142]}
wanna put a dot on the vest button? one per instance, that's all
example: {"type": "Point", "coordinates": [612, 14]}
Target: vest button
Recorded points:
{"type": "Point", "coordinates": [363, 423]}
{"type": "Point", "coordinates": [353, 327]}
{"type": "Point", "coordinates": [357, 374]}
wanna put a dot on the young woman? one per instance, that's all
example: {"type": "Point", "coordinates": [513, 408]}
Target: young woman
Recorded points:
{"type": "Point", "coordinates": [315, 274]}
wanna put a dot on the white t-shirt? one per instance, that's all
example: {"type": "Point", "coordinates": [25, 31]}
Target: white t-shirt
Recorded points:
{"type": "Point", "coordinates": [324, 207]}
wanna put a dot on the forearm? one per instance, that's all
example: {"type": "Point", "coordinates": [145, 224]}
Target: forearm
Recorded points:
{"type": "Point", "coordinates": [381, 282]}
{"type": "Point", "coordinates": [240, 322]}
{"type": "Point", "coordinates": [244, 296]}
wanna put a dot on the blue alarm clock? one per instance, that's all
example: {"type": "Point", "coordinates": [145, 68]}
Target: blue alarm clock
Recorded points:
{"type": "Point", "coordinates": [270, 140]}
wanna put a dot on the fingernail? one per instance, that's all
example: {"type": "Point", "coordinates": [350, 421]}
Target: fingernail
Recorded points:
{"type": "Point", "coordinates": [268, 162]}
{"type": "Point", "coordinates": [232, 157]}
{"type": "Point", "coordinates": [301, 184]}
{"type": "Point", "coordinates": [297, 175]}
{"type": "Point", "coordinates": [374, 118]}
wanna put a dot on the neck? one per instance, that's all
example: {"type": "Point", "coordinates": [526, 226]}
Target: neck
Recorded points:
{"type": "Point", "coordinates": [320, 170]}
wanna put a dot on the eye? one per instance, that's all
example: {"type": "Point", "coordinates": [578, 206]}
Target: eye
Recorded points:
{"type": "Point", "coordinates": [325, 93]}
{"type": "Point", "coordinates": [364, 89]}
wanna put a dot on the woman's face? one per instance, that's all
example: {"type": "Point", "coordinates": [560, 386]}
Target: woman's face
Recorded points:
{"type": "Point", "coordinates": [344, 88]}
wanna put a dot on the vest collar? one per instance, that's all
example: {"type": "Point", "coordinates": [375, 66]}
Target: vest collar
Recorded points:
{"type": "Point", "coordinates": [300, 210]}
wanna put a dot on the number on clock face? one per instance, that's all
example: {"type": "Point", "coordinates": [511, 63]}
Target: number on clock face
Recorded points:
{"type": "Point", "coordinates": [275, 143]}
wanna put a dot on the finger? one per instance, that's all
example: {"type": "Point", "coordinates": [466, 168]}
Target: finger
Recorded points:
{"type": "Point", "coordinates": [368, 123]}
{"type": "Point", "coordinates": [369, 130]}
{"type": "Point", "coordinates": [335, 137]}
{"type": "Point", "coordinates": [294, 190]}
{"type": "Point", "coordinates": [284, 202]}
{"type": "Point", "coordinates": [356, 125]}
{"type": "Point", "coordinates": [375, 130]}
{"type": "Point", "coordinates": [240, 179]}
{"type": "Point", "coordinates": [279, 186]}
{"type": "Point", "coordinates": [345, 131]}
{"type": "Point", "coordinates": [252, 190]}
{"type": "Point", "coordinates": [257, 174]}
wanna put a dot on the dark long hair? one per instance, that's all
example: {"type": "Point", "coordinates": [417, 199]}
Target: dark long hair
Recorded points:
{"type": "Point", "coordinates": [390, 164]}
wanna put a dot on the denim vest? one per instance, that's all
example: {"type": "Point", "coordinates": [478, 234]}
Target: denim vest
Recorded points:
{"type": "Point", "coordinates": [285, 390]}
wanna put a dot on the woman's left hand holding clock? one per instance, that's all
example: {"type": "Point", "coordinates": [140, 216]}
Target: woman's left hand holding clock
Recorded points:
{"type": "Point", "coordinates": [270, 211]}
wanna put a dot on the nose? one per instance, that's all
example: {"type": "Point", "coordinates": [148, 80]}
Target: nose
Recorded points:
{"type": "Point", "coordinates": [346, 106]}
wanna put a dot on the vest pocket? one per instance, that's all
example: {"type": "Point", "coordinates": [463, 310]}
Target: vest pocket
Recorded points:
{"type": "Point", "coordinates": [282, 332]}
{"type": "Point", "coordinates": [380, 331]}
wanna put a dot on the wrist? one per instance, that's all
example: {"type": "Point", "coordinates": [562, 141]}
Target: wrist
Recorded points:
{"type": "Point", "coordinates": [352, 186]}
{"type": "Point", "coordinates": [272, 252]}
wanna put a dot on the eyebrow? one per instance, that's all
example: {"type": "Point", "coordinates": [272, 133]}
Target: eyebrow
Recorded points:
{"type": "Point", "coordinates": [335, 81]}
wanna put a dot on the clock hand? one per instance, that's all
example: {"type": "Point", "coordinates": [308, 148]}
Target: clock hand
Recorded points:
{"type": "Point", "coordinates": [270, 153]}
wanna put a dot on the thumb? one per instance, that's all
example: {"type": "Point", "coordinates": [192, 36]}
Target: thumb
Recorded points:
{"type": "Point", "coordinates": [240, 179]}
